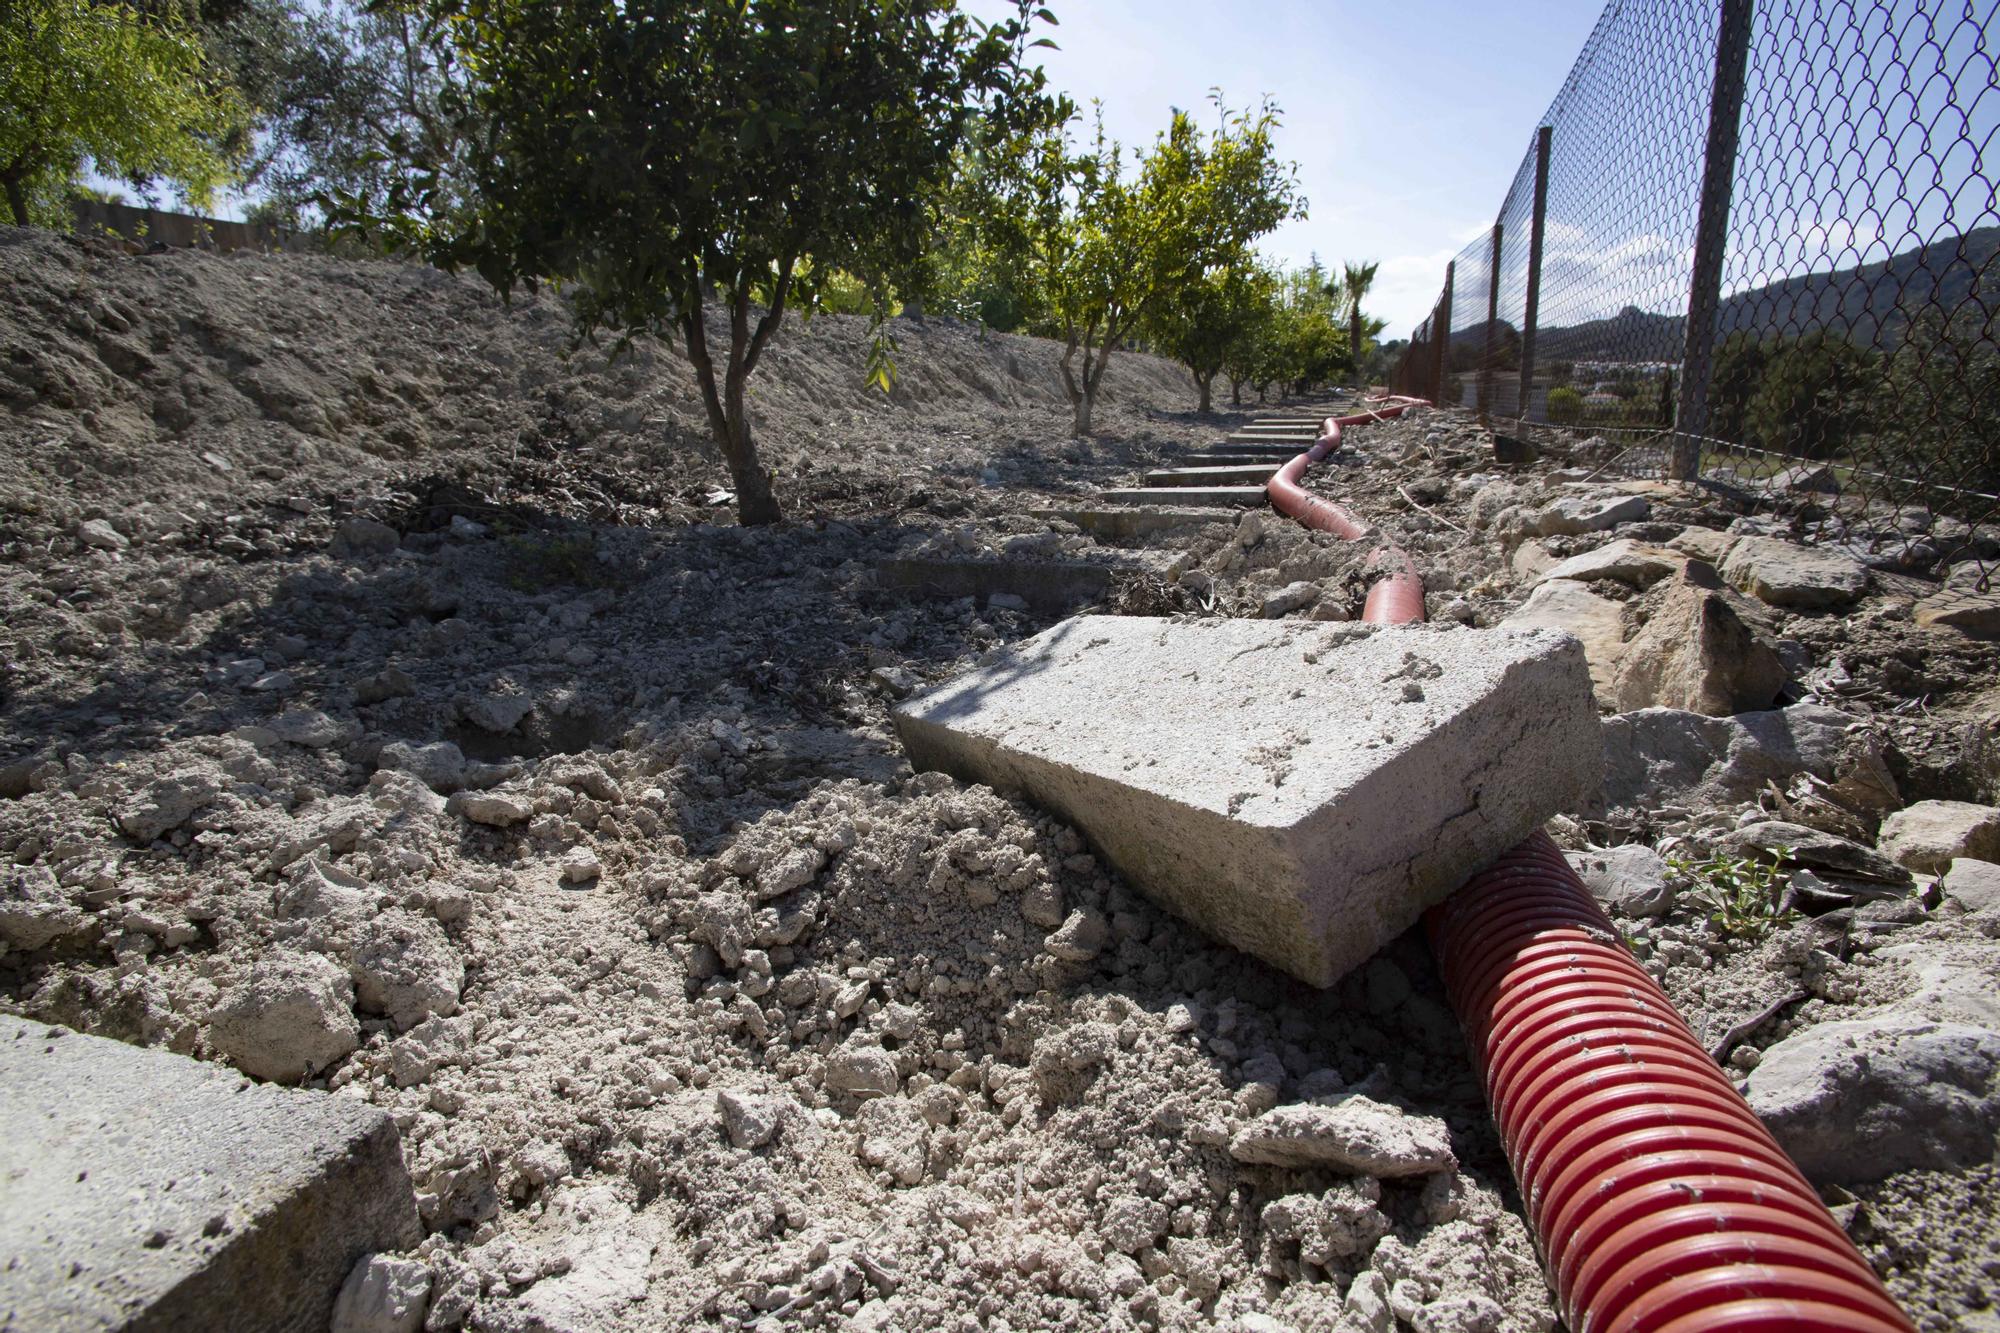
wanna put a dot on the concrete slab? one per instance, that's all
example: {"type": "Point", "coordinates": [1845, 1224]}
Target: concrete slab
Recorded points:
{"type": "Point", "coordinates": [1302, 791]}
{"type": "Point", "coordinates": [1227, 474]}
{"type": "Point", "coordinates": [1130, 524]}
{"type": "Point", "coordinates": [140, 1189]}
{"type": "Point", "coordinates": [1208, 497]}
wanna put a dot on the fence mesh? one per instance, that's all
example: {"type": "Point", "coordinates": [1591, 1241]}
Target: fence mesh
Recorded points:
{"type": "Point", "coordinates": [1843, 366]}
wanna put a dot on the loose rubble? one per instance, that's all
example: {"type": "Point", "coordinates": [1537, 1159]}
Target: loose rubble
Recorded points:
{"type": "Point", "coordinates": [383, 707]}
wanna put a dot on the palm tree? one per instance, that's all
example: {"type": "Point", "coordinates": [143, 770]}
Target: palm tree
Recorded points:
{"type": "Point", "coordinates": [1355, 280]}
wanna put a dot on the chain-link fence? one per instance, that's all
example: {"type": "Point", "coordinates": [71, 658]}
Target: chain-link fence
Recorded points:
{"type": "Point", "coordinates": [1755, 243]}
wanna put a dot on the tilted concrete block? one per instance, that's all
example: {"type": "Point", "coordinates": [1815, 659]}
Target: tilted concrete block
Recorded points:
{"type": "Point", "coordinates": [144, 1190]}
{"type": "Point", "coordinates": [1302, 791]}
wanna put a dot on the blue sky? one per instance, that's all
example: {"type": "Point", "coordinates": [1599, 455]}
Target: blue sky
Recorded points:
{"type": "Point", "coordinates": [1407, 117]}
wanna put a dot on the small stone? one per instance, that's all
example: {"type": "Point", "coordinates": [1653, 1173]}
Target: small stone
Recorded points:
{"type": "Point", "coordinates": [383, 1294]}
{"type": "Point", "coordinates": [1469, 1313]}
{"type": "Point", "coordinates": [290, 1017]}
{"type": "Point", "coordinates": [439, 766]}
{"type": "Point", "coordinates": [306, 727]}
{"type": "Point", "coordinates": [581, 867]}
{"type": "Point", "coordinates": [1350, 1132]}
{"type": "Point", "coordinates": [790, 872]}
{"type": "Point", "coordinates": [1588, 513]}
{"type": "Point", "coordinates": [100, 534]}
{"type": "Point", "coordinates": [1367, 1305]}
{"type": "Point", "coordinates": [1292, 597]}
{"type": "Point", "coordinates": [1974, 613]}
{"type": "Point", "coordinates": [1629, 880]}
{"type": "Point", "coordinates": [751, 1121]}
{"type": "Point", "coordinates": [1625, 561]}
{"type": "Point", "coordinates": [364, 536]}
{"type": "Point", "coordinates": [499, 712]}
{"type": "Point", "coordinates": [897, 682]}
{"type": "Point", "coordinates": [1930, 835]}
{"type": "Point", "coordinates": [1131, 1224]}
{"type": "Point", "coordinates": [862, 1071]}
{"type": "Point", "coordinates": [34, 911]}
{"type": "Point", "coordinates": [894, 1138]}
{"type": "Point", "coordinates": [406, 968]}
{"type": "Point", "coordinates": [1597, 622]}
{"type": "Point", "coordinates": [498, 809]}
{"type": "Point", "coordinates": [167, 804]}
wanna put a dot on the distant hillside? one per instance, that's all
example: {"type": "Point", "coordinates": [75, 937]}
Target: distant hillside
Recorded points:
{"type": "Point", "coordinates": [1869, 304]}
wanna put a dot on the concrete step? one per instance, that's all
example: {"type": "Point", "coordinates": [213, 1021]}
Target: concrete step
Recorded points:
{"type": "Point", "coordinates": [1210, 497]}
{"type": "Point", "coordinates": [1305, 433]}
{"type": "Point", "coordinates": [1239, 474]}
{"type": "Point", "coordinates": [143, 1189]}
{"type": "Point", "coordinates": [1260, 453]}
{"type": "Point", "coordinates": [1330, 771]}
{"type": "Point", "coordinates": [1133, 523]}
{"type": "Point", "coordinates": [1236, 458]}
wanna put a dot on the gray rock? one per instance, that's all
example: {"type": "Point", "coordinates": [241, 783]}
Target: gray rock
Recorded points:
{"type": "Point", "coordinates": [1784, 574]}
{"type": "Point", "coordinates": [1598, 623]}
{"type": "Point", "coordinates": [1629, 880]}
{"type": "Point", "coordinates": [1930, 835]}
{"type": "Point", "coordinates": [1588, 513]}
{"type": "Point", "coordinates": [383, 1294]}
{"type": "Point", "coordinates": [1351, 1133]}
{"type": "Point", "coordinates": [1975, 613]}
{"type": "Point", "coordinates": [1657, 756]}
{"type": "Point", "coordinates": [289, 1018]}
{"type": "Point", "coordinates": [1624, 560]}
{"type": "Point", "coordinates": [100, 534]}
{"type": "Point", "coordinates": [1810, 847]}
{"type": "Point", "coordinates": [147, 1190]}
{"type": "Point", "coordinates": [1855, 1101]}
{"type": "Point", "coordinates": [439, 766]}
{"type": "Point", "coordinates": [1974, 883]}
{"type": "Point", "coordinates": [1699, 650]}
{"type": "Point", "coordinates": [1132, 1223]}
{"type": "Point", "coordinates": [897, 682]}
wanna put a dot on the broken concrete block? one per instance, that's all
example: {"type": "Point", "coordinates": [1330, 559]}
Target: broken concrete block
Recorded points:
{"type": "Point", "coordinates": [143, 1189]}
{"type": "Point", "coordinates": [1302, 791]}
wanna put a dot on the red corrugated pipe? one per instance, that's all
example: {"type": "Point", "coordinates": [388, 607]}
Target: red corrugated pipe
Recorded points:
{"type": "Point", "coordinates": [1660, 1201]}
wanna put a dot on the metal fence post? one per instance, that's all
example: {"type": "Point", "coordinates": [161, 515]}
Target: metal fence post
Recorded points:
{"type": "Point", "coordinates": [1441, 335]}
{"type": "Point", "coordinates": [1534, 302]}
{"type": "Point", "coordinates": [1711, 238]}
{"type": "Point", "coordinates": [1492, 326]}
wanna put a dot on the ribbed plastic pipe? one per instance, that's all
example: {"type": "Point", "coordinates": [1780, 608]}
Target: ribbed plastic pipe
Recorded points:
{"type": "Point", "coordinates": [1660, 1201]}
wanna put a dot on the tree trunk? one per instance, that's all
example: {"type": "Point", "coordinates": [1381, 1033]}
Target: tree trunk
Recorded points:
{"type": "Point", "coordinates": [17, 201]}
{"type": "Point", "coordinates": [1235, 392]}
{"type": "Point", "coordinates": [756, 502]}
{"type": "Point", "coordinates": [1084, 402]}
{"type": "Point", "coordinates": [1202, 382]}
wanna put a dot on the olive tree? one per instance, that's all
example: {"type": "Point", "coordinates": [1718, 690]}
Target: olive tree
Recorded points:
{"type": "Point", "coordinates": [650, 156]}
{"type": "Point", "coordinates": [1105, 249]}
{"type": "Point", "coordinates": [1214, 321]}
{"type": "Point", "coordinates": [85, 84]}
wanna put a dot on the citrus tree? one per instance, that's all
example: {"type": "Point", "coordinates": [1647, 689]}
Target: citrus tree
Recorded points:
{"type": "Point", "coordinates": [645, 154]}
{"type": "Point", "coordinates": [88, 85]}
{"type": "Point", "coordinates": [1213, 323]}
{"type": "Point", "coordinates": [1105, 248]}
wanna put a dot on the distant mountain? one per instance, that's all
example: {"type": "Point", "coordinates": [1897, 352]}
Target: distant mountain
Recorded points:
{"type": "Point", "coordinates": [1869, 303]}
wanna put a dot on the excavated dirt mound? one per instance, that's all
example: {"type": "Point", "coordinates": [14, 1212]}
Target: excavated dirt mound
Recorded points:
{"type": "Point", "coordinates": [387, 708]}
